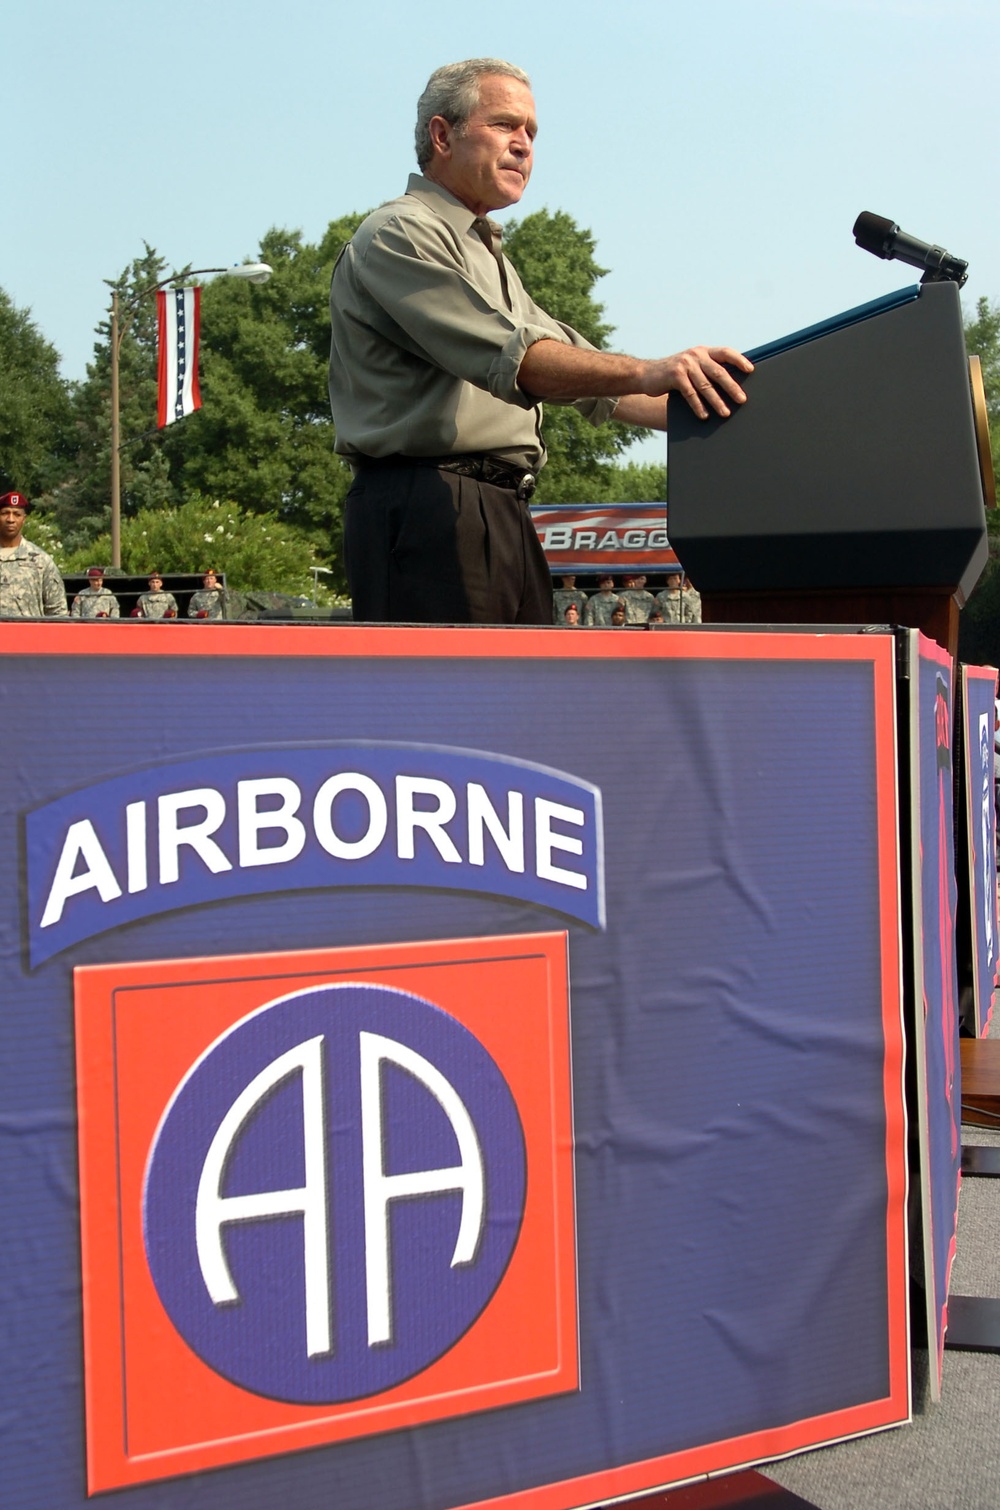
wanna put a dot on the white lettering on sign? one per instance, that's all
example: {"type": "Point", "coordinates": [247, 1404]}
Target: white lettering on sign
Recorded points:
{"type": "Point", "coordinates": [457, 824]}
{"type": "Point", "coordinates": [135, 844]}
{"type": "Point", "coordinates": [83, 844]}
{"type": "Point", "coordinates": [173, 835]}
{"type": "Point", "coordinates": [546, 840]}
{"type": "Point", "coordinates": [378, 816]}
{"type": "Point", "coordinates": [381, 1189]}
{"type": "Point", "coordinates": [213, 1210]}
{"type": "Point", "coordinates": [252, 822]}
{"type": "Point", "coordinates": [432, 820]}
{"type": "Point", "coordinates": [483, 815]}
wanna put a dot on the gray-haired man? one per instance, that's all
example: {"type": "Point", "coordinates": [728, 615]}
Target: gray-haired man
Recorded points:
{"type": "Point", "coordinates": [439, 363]}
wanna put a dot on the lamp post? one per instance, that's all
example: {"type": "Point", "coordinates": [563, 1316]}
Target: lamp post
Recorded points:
{"type": "Point", "coordinates": [252, 272]}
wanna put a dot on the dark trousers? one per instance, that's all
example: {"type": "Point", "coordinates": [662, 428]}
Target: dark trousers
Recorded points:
{"type": "Point", "coordinates": [430, 547]}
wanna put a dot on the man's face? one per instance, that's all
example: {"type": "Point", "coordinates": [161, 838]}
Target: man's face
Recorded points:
{"type": "Point", "coordinates": [209, 581]}
{"type": "Point", "coordinates": [96, 583]}
{"type": "Point", "coordinates": [155, 584]}
{"type": "Point", "coordinates": [486, 163]}
{"type": "Point", "coordinates": [11, 524]}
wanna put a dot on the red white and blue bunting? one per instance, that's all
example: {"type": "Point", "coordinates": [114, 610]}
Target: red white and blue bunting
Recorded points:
{"type": "Point", "coordinates": [179, 320]}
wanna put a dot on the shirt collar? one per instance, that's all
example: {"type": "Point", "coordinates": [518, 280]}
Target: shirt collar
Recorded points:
{"type": "Point", "coordinates": [458, 215]}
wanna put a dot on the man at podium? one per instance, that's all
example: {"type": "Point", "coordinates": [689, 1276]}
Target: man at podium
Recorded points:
{"type": "Point", "coordinates": [440, 362]}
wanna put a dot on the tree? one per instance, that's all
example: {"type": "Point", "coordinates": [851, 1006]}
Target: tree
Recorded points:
{"type": "Point", "coordinates": [265, 434]}
{"type": "Point", "coordinates": [982, 338]}
{"type": "Point", "coordinates": [255, 550]}
{"type": "Point", "coordinates": [35, 416]}
{"type": "Point", "coordinates": [556, 263]}
{"type": "Point", "coordinates": [639, 482]}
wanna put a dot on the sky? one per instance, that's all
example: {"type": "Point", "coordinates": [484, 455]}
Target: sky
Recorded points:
{"type": "Point", "coordinates": [719, 152]}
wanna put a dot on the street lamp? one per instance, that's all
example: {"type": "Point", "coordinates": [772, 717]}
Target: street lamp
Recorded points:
{"type": "Point", "coordinates": [251, 272]}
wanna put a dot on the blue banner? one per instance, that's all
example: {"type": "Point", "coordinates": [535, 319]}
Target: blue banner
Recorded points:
{"type": "Point", "coordinates": [936, 1028]}
{"type": "Point", "coordinates": [286, 819]}
{"type": "Point", "coordinates": [452, 1070]}
{"type": "Point", "coordinates": [979, 687]}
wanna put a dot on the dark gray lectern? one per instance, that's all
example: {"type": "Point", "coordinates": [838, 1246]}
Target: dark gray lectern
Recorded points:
{"type": "Point", "coordinates": [849, 488]}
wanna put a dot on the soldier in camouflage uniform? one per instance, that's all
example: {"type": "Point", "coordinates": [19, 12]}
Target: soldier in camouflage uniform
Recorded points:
{"type": "Point", "coordinates": [155, 604]}
{"type": "Point", "coordinates": [563, 596]}
{"type": "Point", "coordinates": [602, 605]}
{"type": "Point", "coordinates": [96, 601]}
{"type": "Point", "coordinates": [638, 602]}
{"type": "Point", "coordinates": [207, 602]}
{"type": "Point", "coordinates": [30, 584]}
{"type": "Point", "coordinates": [669, 601]}
{"type": "Point", "coordinates": [692, 603]}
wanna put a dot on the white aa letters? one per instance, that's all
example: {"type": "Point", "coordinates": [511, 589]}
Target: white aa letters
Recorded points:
{"type": "Point", "coordinates": [215, 1211]}
{"type": "Point", "coordinates": [381, 1188]}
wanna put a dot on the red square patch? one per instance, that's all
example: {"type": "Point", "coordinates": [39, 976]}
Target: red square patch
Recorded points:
{"type": "Point", "coordinates": [323, 1194]}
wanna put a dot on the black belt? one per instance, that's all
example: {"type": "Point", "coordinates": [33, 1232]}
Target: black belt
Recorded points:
{"type": "Point", "coordinates": [486, 468]}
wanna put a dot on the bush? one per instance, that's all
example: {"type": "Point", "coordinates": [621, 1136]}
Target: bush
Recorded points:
{"type": "Point", "coordinates": [253, 550]}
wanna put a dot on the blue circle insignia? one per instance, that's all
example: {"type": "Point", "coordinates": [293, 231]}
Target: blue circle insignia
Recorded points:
{"type": "Point", "coordinates": [334, 1193]}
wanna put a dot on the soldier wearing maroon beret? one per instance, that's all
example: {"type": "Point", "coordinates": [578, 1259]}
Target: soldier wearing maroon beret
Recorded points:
{"type": "Point", "coordinates": [207, 602]}
{"type": "Point", "coordinates": [96, 601]}
{"type": "Point", "coordinates": [156, 604]}
{"type": "Point", "coordinates": [30, 584]}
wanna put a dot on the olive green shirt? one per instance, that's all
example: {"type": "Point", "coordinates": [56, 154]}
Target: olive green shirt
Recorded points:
{"type": "Point", "coordinates": [30, 584]}
{"type": "Point", "coordinates": [430, 323]}
{"type": "Point", "coordinates": [101, 604]}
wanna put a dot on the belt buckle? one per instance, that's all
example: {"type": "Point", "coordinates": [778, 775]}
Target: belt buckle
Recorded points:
{"type": "Point", "coordinates": [527, 486]}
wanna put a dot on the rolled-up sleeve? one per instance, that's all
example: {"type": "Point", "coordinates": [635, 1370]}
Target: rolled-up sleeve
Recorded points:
{"type": "Point", "coordinates": [596, 410]}
{"type": "Point", "coordinates": [415, 274]}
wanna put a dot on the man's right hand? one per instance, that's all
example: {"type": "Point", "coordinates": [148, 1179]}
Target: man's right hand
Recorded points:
{"type": "Point", "coordinates": [699, 377]}
{"type": "Point", "coordinates": [560, 372]}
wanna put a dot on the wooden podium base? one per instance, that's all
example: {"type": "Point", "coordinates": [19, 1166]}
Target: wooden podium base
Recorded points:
{"type": "Point", "coordinates": [932, 610]}
{"type": "Point", "coordinates": [981, 1081]}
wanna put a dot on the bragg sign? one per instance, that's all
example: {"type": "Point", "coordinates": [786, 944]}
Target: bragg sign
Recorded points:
{"type": "Point", "coordinates": [323, 1194]}
{"type": "Point", "coordinates": [604, 536]}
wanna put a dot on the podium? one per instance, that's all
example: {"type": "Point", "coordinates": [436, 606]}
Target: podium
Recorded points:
{"type": "Point", "coordinates": [850, 488]}
{"type": "Point", "coordinates": [689, 1193]}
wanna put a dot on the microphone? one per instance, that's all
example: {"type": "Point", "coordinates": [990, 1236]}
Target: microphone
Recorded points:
{"type": "Point", "coordinates": [883, 238]}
